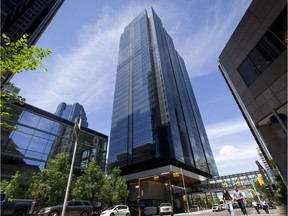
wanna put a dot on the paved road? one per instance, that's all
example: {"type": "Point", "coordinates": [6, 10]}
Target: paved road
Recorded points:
{"type": "Point", "coordinates": [250, 211]}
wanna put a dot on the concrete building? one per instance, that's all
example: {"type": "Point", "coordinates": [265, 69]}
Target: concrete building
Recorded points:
{"type": "Point", "coordinates": [254, 65]}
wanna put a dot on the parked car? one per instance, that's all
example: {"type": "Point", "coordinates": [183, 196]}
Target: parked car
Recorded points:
{"type": "Point", "coordinates": [194, 208]}
{"type": "Point", "coordinates": [118, 210]}
{"type": "Point", "coordinates": [165, 208]}
{"type": "Point", "coordinates": [73, 208]}
{"type": "Point", "coordinates": [216, 208]}
{"type": "Point", "coordinates": [17, 207]}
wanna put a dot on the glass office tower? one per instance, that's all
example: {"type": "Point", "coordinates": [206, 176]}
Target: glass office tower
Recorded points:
{"type": "Point", "coordinates": [26, 16]}
{"type": "Point", "coordinates": [156, 121]}
{"type": "Point", "coordinates": [72, 113]}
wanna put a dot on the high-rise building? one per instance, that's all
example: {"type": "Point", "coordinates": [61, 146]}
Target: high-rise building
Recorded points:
{"type": "Point", "coordinates": [72, 112]}
{"type": "Point", "coordinates": [156, 124]}
{"type": "Point", "coordinates": [26, 16]}
{"type": "Point", "coordinates": [254, 65]}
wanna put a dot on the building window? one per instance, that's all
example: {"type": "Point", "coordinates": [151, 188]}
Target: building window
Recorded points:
{"type": "Point", "coordinates": [279, 27]}
{"type": "Point", "coordinates": [267, 50]}
{"type": "Point", "coordinates": [248, 72]}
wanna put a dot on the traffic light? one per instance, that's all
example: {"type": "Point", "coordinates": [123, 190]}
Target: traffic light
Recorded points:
{"type": "Point", "coordinates": [184, 198]}
{"type": "Point", "coordinates": [260, 180]}
{"type": "Point", "coordinates": [176, 174]}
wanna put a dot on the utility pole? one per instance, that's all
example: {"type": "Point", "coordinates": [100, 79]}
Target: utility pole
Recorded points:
{"type": "Point", "coordinates": [76, 132]}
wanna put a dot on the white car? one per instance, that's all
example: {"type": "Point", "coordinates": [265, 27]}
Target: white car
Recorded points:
{"type": "Point", "coordinates": [165, 208]}
{"type": "Point", "coordinates": [118, 210]}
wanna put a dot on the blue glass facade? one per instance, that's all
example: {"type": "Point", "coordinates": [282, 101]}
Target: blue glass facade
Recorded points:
{"type": "Point", "coordinates": [39, 136]}
{"type": "Point", "coordinates": [72, 113]}
{"type": "Point", "coordinates": [155, 114]}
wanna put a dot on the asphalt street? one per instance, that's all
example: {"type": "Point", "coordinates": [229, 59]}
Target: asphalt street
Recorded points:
{"type": "Point", "coordinates": [250, 211]}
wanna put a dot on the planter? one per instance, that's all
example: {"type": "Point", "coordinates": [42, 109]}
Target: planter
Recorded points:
{"type": "Point", "coordinates": [282, 210]}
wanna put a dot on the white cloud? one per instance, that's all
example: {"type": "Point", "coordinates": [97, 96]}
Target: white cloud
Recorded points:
{"type": "Point", "coordinates": [231, 159]}
{"type": "Point", "coordinates": [233, 146]}
{"type": "Point", "coordinates": [227, 128]}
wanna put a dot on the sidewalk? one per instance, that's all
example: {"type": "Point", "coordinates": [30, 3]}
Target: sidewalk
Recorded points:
{"type": "Point", "coordinates": [251, 211]}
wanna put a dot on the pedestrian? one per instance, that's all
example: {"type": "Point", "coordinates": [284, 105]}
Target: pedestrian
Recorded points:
{"type": "Point", "coordinates": [263, 204]}
{"type": "Point", "coordinates": [240, 198]}
{"type": "Point", "coordinates": [227, 201]}
{"type": "Point", "coordinates": [255, 205]}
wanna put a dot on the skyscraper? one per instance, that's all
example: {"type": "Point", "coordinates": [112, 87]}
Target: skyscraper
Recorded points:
{"type": "Point", "coordinates": [72, 112]}
{"type": "Point", "coordinates": [26, 16]}
{"type": "Point", "coordinates": [156, 123]}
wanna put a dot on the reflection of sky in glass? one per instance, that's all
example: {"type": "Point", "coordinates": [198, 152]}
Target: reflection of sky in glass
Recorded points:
{"type": "Point", "coordinates": [24, 129]}
{"type": "Point", "coordinates": [32, 162]}
{"type": "Point", "coordinates": [22, 151]}
{"type": "Point", "coordinates": [33, 154]}
{"type": "Point", "coordinates": [29, 119]}
{"type": "Point", "coordinates": [37, 144]}
{"type": "Point", "coordinates": [21, 140]}
{"type": "Point", "coordinates": [48, 147]}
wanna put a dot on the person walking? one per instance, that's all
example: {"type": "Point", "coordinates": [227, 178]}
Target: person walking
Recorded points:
{"type": "Point", "coordinates": [240, 198]}
{"type": "Point", "coordinates": [227, 201]}
{"type": "Point", "coordinates": [255, 205]}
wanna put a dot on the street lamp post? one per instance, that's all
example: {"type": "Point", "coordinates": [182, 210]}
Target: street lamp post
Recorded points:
{"type": "Point", "coordinates": [185, 190]}
{"type": "Point", "coordinates": [76, 131]}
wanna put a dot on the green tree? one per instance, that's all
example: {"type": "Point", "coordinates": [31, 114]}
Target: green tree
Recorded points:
{"type": "Point", "coordinates": [281, 192]}
{"type": "Point", "coordinates": [49, 185]}
{"type": "Point", "coordinates": [115, 189]}
{"type": "Point", "coordinates": [15, 58]}
{"type": "Point", "coordinates": [12, 187]}
{"type": "Point", "coordinates": [90, 183]}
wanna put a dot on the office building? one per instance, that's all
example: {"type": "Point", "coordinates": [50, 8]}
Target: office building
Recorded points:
{"type": "Point", "coordinates": [254, 65]}
{"type": "Point", "coordinates": [156, 124]}
{"type": "Point", "coordinates": [38, 133]}
{"type": "Point", "coordinates": [72, 112]}
{"type": "Point", "coordinates": [26, 16]}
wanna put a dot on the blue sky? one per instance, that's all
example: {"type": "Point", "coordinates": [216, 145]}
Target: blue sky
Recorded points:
{"type": "Point", "coordinates": [84, 39]}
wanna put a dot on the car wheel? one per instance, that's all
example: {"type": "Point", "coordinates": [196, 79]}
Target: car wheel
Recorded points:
{"type": "Point", "coordinates": [112, 214]}
{"type": "Point", "coordinates": [19, 213]}
{"type": "Point", "coordinates": [127, 214]}
{"type": "Point", "coordinates": [54, 213]}
{"type": "Point", "coordinates": [84, 213]}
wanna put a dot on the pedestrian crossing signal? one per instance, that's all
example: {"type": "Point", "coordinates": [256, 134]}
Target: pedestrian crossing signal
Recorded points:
{"type": "Point", "coordinates": [260, 180]}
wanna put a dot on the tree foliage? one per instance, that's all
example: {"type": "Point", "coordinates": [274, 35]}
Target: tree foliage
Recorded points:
{"type": "Point", "coordinates": [90, 183]}
{"type": "Point", "coordinates": [49, 185]}
{"type": "Point", "coordinates": [281, 192]}
{"type": "Point", "coordinates": [12, 187]}
{"type": "Point", "coordinates": [115, 189]}
{"type": "Point", "coordinates": [15, 58]}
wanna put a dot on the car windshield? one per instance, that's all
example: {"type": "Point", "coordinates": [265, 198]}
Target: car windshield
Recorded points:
{"type": "Point", "coordinates": [110, 208]}
{"type": "Point", "coordinates": [165, 204]}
